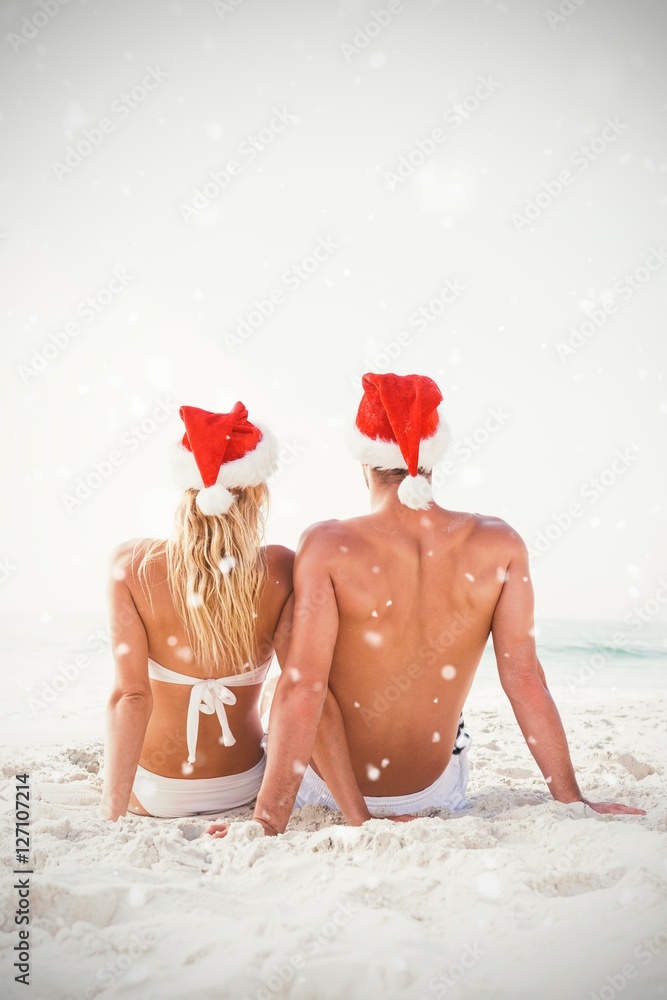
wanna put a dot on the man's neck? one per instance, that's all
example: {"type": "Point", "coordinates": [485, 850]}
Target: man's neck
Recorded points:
{"type": "Point", "coordinates": [384, 500]}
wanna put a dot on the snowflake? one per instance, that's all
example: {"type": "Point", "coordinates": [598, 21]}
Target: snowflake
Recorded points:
{"type": "Point", "coordinates": [227, 564]}
{"type": "Point", "coordinates": [373, 638]}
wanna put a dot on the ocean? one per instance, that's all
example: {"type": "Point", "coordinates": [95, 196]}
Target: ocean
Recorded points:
{"type": "Point", "coordinates": [57, 671]}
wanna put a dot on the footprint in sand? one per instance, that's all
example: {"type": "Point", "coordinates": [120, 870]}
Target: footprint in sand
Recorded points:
{"type": "Point", "coordinates": [634, 766]}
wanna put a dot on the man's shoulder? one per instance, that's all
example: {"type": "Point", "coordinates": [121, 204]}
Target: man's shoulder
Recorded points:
{"type": "Point", "coordinates": [492, 530]}
{"type": "Point", "coordinates": [321, 533]}
{"type": "Point", "coordinates": [328, 537]}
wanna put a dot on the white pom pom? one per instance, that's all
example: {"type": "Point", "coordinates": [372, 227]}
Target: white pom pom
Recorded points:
{"type": "Point", "coordinates": [215, 500]}
{"type": "Point", "coordinates": [415, 492]}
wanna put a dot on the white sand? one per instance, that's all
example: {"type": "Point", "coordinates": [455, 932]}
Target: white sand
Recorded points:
{"type": "Point", "coordinates": [519, 896]}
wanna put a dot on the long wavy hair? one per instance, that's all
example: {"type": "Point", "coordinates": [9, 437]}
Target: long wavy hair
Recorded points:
{"type": "Point", "coordinates": [215, 571]}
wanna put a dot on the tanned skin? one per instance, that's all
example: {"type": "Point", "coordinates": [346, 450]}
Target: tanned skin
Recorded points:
{"type": "Point", "coordinates": [405, 599]}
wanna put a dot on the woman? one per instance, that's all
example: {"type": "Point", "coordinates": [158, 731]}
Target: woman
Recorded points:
{"type": "Point", "coordinates": [196, 620]}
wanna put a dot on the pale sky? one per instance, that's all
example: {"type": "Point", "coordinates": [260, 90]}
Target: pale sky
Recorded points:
{"type": "Point", "coordinates": [409, 154]}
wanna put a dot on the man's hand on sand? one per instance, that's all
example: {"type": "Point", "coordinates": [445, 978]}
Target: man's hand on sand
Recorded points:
{"type": "Point", "coordinates": [614, 809]}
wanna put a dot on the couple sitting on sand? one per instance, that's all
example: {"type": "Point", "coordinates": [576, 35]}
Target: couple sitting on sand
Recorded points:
{"type": "Point", "coordinates": [378, 625]}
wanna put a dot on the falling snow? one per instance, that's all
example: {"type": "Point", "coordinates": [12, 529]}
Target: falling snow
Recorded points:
{"type": "Point", "coordinates": [373, 638]}
{"type": "Point", "coordinates": [448, 672]}
{"type": "Point", "coordinates": [373, 772]}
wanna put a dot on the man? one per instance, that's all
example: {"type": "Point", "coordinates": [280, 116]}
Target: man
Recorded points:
{"type": "Point", "coordinates": [392, 613]}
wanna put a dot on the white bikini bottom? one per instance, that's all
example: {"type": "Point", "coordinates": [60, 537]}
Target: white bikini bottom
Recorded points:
{"type": "Point", "coordinates": [172, 798]}
{"type": "Point", "coordinates": [447, 792]}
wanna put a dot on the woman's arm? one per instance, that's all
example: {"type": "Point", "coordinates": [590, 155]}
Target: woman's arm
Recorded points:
{"type": "Point", "coordinates": [331, 756]}
{"type": "Point", "coordinates": [130, 705]}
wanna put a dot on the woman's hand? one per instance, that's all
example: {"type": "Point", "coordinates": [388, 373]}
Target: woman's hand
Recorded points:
{"type": "Point", "coordinates": [217, 830]}
{"type": "Point", "coordinates": [220, 830]}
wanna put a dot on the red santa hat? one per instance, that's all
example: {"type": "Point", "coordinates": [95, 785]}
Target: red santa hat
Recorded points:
{"type": "Point", "coordinates": [220, 452]}
{"type": "Point", "coordinates": [399, 426]}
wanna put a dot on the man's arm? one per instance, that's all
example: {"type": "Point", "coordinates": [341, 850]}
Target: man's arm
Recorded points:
{"type": "Point", "coordinates": [331, 753]}
{"type": "Point", "coordinates": [524, 683]}
{"type": "Point", "coordinates": [301, 690]}
{"type": "Point", "coordinates": [131, 703]}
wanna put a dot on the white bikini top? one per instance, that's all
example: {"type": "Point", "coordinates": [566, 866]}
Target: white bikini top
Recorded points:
{"type": "Point", "coordinates": [208, 695]}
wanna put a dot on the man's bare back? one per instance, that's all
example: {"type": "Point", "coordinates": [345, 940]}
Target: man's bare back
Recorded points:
{"type": "Point", "coordinates": [392, 612]}
{"type": "Point", "coordinates": [416, 592]}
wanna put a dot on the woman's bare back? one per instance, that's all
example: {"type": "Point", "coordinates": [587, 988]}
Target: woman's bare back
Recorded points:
{"type": "Point", "coordinates": [165, 749]}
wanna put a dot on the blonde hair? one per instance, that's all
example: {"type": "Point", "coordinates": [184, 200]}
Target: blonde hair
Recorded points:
{"type": "Point", "coordinates": [215, 571]}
